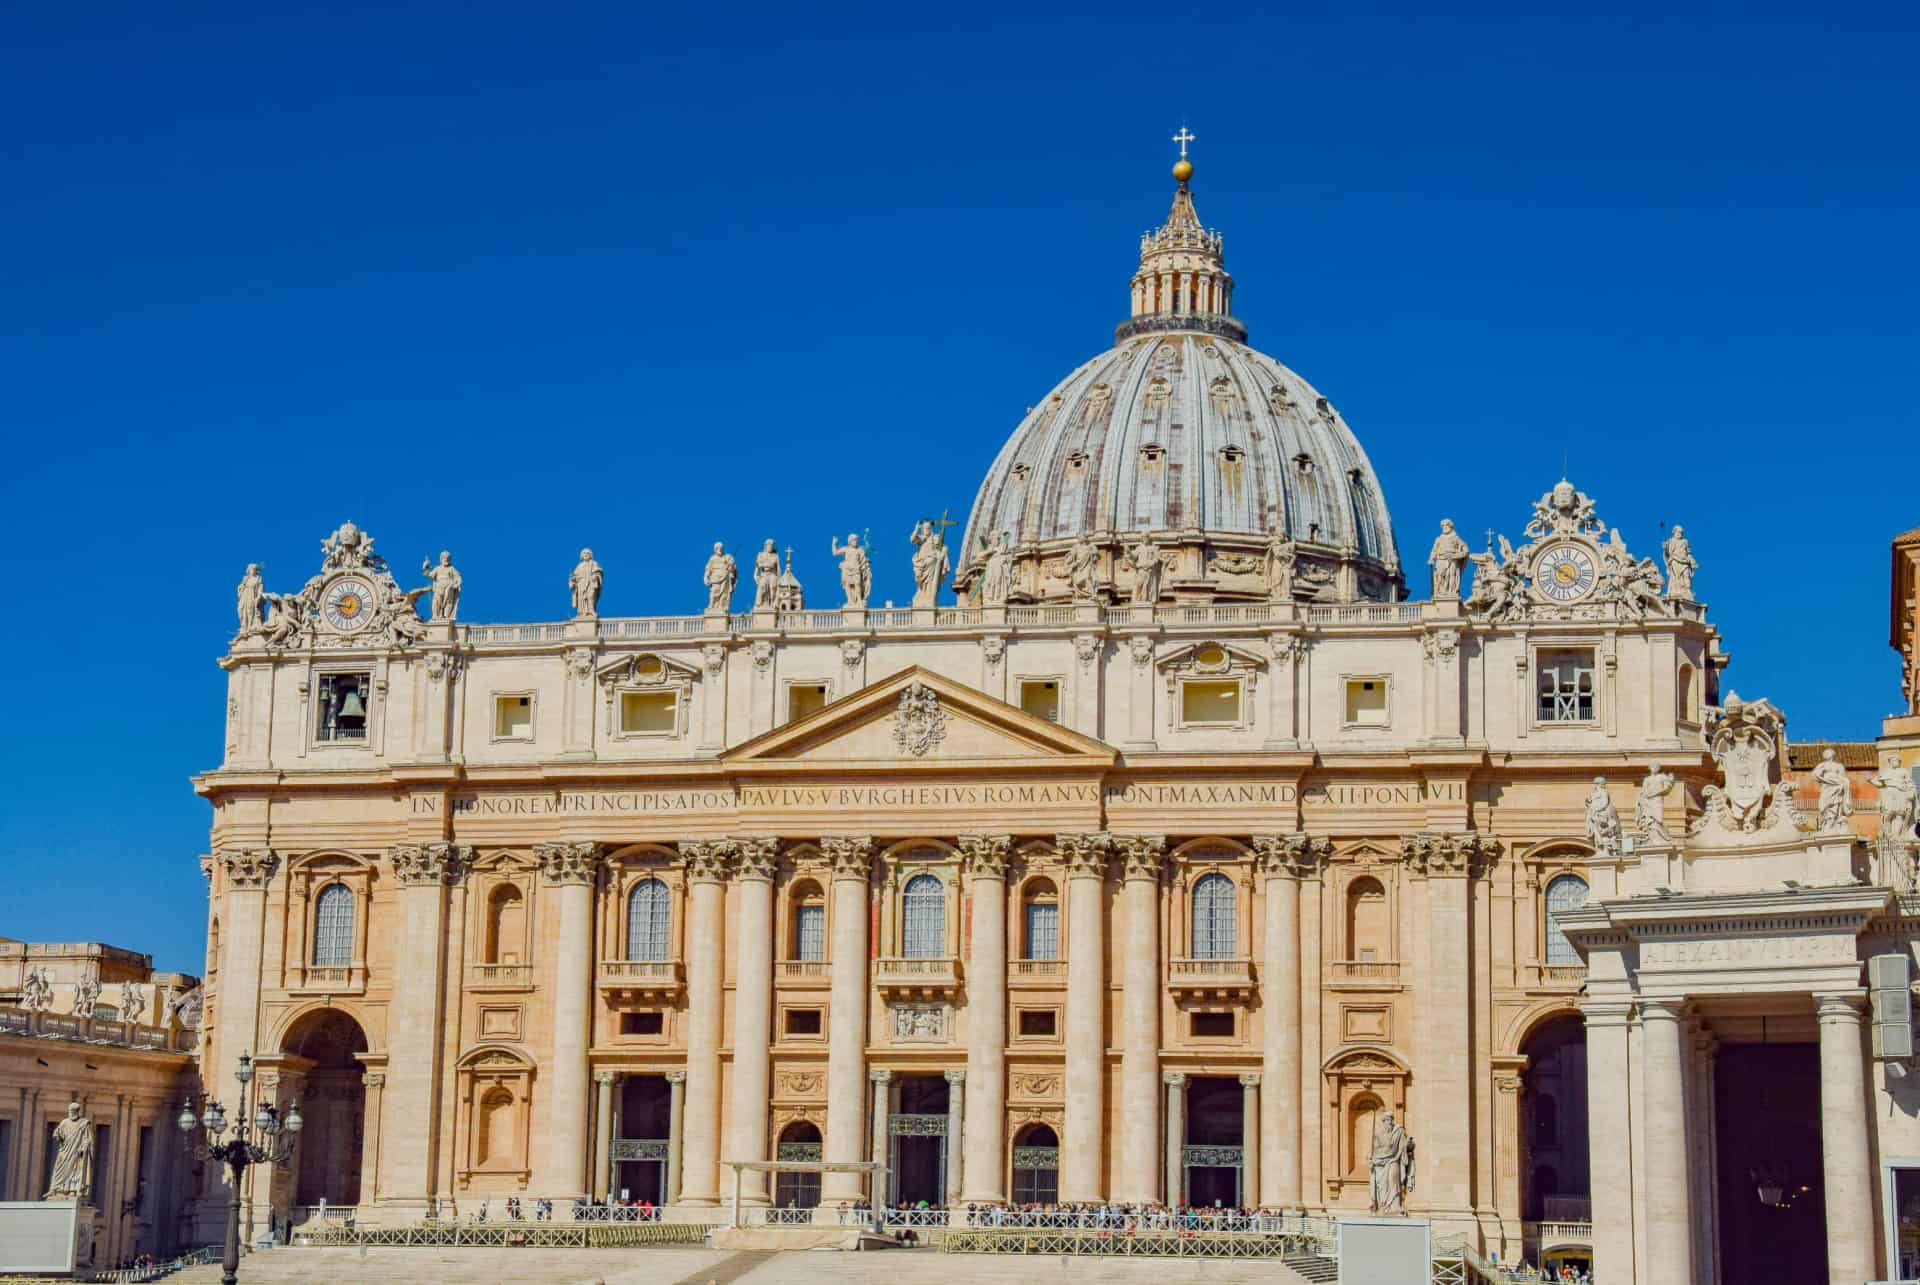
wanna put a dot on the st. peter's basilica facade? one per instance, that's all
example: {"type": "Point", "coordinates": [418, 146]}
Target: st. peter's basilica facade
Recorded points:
{"type": "Point", "coordinates": [1163, 867]}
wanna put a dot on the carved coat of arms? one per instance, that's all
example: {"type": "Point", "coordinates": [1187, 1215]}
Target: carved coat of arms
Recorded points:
{"type": "Point", "coordinates": [919, 723]}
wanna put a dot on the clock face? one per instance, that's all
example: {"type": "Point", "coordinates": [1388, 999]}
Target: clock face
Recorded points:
{"type": "Point", "coordinates": [1565, 573]}
{"type": "Point", "coordinates": [348, 604]}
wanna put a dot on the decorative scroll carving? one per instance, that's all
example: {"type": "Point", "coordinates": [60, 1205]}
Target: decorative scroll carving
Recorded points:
{"type": "Point", "coordinates": [429, 863]}
{"type": "Point", "coordinates": [993, 649]}
{"type": "Point", "coordinates": [917, 1126]}
{"type": "Point", "coordinates": [1087, 648]}
{"type": "Point", "coordinates": [572, 862]}
{"type": "Point", "coordinates": [919, 722]}
{"type": "Point", "coordinates": [1212, 1157]}
{"type": "Point", "coordinates": [1036, 1157]}
{"type": "Point", "coordinates": [249, 868]}
{"type": "Point", "coordinates": [1036, 1085]}
{"type": "Point", "coordinates": [985, 855]}
{"type": "Point", "coordinates": [1289, 854]}
{"type": "Point", "coordinates": [849, 855]}
{"type": "Point", "coordinates": [1141, 648]}
{"type": "Point", "coordinates": [805, 1152]}
{"type": "Point", "coordinates": [640, 1149]}
{"type": "Point", "coordinates": [1141, 855]}
{"type": "Point", "coordinates": [802, 1084]}
{"type": "Point", "coordinates": [1084, 854]}
{"type": "Point", "coordinates": [1438, 855]}
{"type": "Point", "coordinates": [762, 653]}
{"type": "Point", "coordinates": [1441, 644]}
{"type": "Point", "coordinates": [1747, 739]}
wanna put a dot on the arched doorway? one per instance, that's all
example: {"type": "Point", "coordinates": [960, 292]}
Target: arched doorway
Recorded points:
{"type": "Point", "coordinates": [1214, 1132]}
{"type": "Point", "coordinates": [1772, 1207]}
{"type": "Point", "coordinates": [798, 1141]}
{"type": "Point", "coordinates": [334, 1101]}
{"type": "Point", "coordinates": [1036, 1165]}
{"type": "Point", "coordinates": [1554, 1182]}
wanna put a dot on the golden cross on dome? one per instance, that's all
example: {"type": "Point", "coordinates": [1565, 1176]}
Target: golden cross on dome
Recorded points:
{"type": "Point", "coordinates": [1183, 138]}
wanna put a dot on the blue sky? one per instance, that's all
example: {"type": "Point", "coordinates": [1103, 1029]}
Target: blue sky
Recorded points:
{"type": "Point", "coordinates": [508, 281]}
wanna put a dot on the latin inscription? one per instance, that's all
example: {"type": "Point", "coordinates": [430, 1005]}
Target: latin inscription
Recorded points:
{"type": "Point", "coordinates": [1338, 794]}
{"type": "Point", "coordinates": [915, 796]}
{"type": "Point", "coordinates": [1745, 950]}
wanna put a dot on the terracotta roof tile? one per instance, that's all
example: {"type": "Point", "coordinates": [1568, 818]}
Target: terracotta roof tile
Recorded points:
{"type": "Point", "coordinates": [1806, 754]}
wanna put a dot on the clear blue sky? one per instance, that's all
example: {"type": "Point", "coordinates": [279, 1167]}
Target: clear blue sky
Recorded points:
{"type": "Point", "coordinates": [509, 280]}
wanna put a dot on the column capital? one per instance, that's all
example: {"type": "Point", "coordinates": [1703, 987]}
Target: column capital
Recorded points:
{"type": "Point", "coordinates": [880, 1076]}
{"type": "Point", "coordinates": [1606, 1012]}
{"type": "Point", "coordinates": [1141, 856]}
{"type": "Point", "coordinates": [573, 862]}
{"type": "Point", "coordinates": [1466, 854]}
{"type": "Point", "coordinates": [985, 855]}
{"type": "Point", "coordinates": [249, 867]}
{"type": "Point", "coordinates": [676, 1077]}
{"type": "Point", "coordinates": [373, 1080]}
{"type": "Point", "coordinates": [1250, 1080]}
{"type": "Point", "coordinates": [708, 861]}
{"type": "Point", "coordinates": [1663, 1010]}
{"type": "Point", "coordinates": [1847, 1007]}
{"type": "Point", "coordinates": [421, 864]}
{"type": "Point", "coordinates": [1290, 855]}
{"type": "Point", "coordinates": [1507, 1083]}
{"type": "Point", "coordinates": [956, 1077]}
{"type": "Point", "coordinates": [1173, 1079]}
{"type": "Point", "coordinates": [1085, 855]}
{"type": "Point", "coordinates": [850, 855]}
{"type": "Point", "coordinates": [755, 857]}
{"type": "Point", "coordinates": [603, 1077]}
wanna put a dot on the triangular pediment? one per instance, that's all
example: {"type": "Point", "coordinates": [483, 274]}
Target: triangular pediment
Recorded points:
{"type": "Point", "coordinates": [919, 718]}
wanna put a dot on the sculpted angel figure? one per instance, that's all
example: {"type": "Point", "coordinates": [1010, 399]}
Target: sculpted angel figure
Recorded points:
{"type": "Point", "coordinates": [1083, 568]}
{"type": "Point", "coordinates": [292, 613]}
{"type": "Point", "coordinates": [766, 577]}
{"type": "Point", "coordinates": [856, 572]}
{"type": "Point", "coordinates": [585, 584]}
{"type": "Point", "coordinates": [1680, 564]}
{"type": "Point", "coordinates": [1836, 795]}
{"type": "Point", "coordinates": [253, 602]}
{"type": "Point", "coordinates": [1649, 809]}
{"type": "Point", "coordinates": [86, 996]}
{"type": "Point", "coordinates": [1496, 582]}
{"type": "Point", "coordinates": [720, 576]}
{"type": "Point", "coordinates": [1897, 801]}
{"type": "Point", "coordinates": [1149, 563]}
{"type": "Point", "coordinates": [1391, 1165]}
{"type": "Point", "coordinates": [36, 992]}
{"type": "Point", "coordinates": [1448, 558]}
{"type": "Point", "coordinates": [931, 563]}
{"type": "Point", "coordinates": [1603, 820]}
{"type": "Point", "coordinates": [73, 1158]}
{"type": "Point", "coordinates": [445, 586]}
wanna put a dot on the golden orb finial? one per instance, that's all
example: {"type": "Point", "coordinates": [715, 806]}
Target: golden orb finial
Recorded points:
{"type": "Point", "coordinates": [1183, 169]}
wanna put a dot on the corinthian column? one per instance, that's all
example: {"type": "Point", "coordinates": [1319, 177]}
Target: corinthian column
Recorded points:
{"type": "Point", "coordinates": [1282, 860]}
{"type": "Point", "coordinates": [423, 871]}
{"type": "Point", "coordinates": [1845, 1161]}
{"type": "Point", "coordinates": [706, 865]}
{"type": "Point", "coordinates": [1669, 1193]}
{"type": "Point", "coordinates": [1138, 1167]}
{"type": "Point", "coordinates": [982, 1179]}
{"type": "Point", "coordinates": [847, 1013]}
{"type": "Point", "coordinates": [753, 1012]}
{"type": "Point", "coordinates": [571, 869]}
{"type": "Point", "coordinates": [245, 875]}
{"type": "Point", "coordinates": [1082, 1153]}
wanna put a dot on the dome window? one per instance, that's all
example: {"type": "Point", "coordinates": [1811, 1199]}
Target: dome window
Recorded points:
{"type": "Point", "coordinates": [1231, 455]}
{"type": "Point", "coordinates": [1277, 398]}
{"type": "Point", "coordinates": [1021, 472]}
{"type": "Point", "coordinates": [1303, 462]}
{"type": "Point", "coordinates": [1151, 454]}
{"type": "Point", "coordinates": [1157, 389]}
{"type": "Point", "coordinates": [1077, 463]}
{"type": "Point", "coordinates": [1233, 467]}
{"type": "Point", "coordinates": [1324, 409]}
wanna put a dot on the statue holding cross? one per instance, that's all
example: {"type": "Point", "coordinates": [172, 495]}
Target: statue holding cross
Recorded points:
{"type": "Point", "coordinates": [931, 561]}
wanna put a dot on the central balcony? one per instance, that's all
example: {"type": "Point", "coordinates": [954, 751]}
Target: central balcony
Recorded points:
{"type": "Point", "coordinates": [1210, 978]}
{"type": "Point", "coordinates": [641, 981]}
{"type": "Point", "coordinates": [1036, 972]}
{"type": "Point", "coordinates": [934, 978]}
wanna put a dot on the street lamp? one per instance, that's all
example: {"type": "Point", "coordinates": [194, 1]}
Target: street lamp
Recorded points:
{"type": "Point", "coordinates": [265, 1140]}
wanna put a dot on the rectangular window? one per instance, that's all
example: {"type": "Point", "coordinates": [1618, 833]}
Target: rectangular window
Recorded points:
{"type": "Point", "coordinates": [1043, 930]}
{"type": "Point", "coordinates": [1565, 684]}
{"type": "Point", "coordinates": [1212, 1026]}
{"type": "Point", "coordinates": [1210, 703]}
{"type": "Point", "coordinates": [811, 923]}
{"type": "Point", "coordinates": [804, 699]}
{"type": "Point", "coordinates": [1037, 1022]}
{"type": "Point", "coordinates": [143, 1167]}
{"type": "Point", "coordinates": [1040, 697]}
{"type": "Point", "coordinates": [802, 1021]}
{"type": "Point", "coordinates": [513, 718]}
{"type": "Point", "coordinates": [649, 713]}
{"type": "Point", "coordinates": [342, 707]}
{"type": "Point", "coordinates": [1366, 702]}
{"type": "Point", "coordinates": [645, 1022]}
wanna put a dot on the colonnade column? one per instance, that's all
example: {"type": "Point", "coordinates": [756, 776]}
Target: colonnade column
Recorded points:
{"type": "Point", "coordinates": [1282, 860]}
{"type": "Point", "coordinates": [1137, 1179]}
{"type": "Point", "coordinates": [753, 1013]}
{"type": "Point", "coordinates": [882, 1103]}
{"type": "Point", "coordinates": [1250, 1138]}
{"type": "Point", "coordinates": [676, 1122]}
{"type": "Point", "coordinates": [1176, 1137]}
{"type": "Point", "coordinates": [983, 1181]}
{"type": "Point", "coordinates": [706, 865]}
{"type": "Point", "coordinates": [1669, 1203]}
{"type": "Point", "coordinates": [1845, 1162]}
{"type": "Point", "coordinates": [1444, 1030]}
{"type": "Point", "coordinates": [423, 871]}
{"type": "Point", "coordinates": [1082, 1151]}
{"type": "Point", "coordinates": [603, 1134]}
{"type": "Point", "coordinates": [956, 1122]}
{"type": "Point", "coordinates": [850, 857]}
{"type": "Point", "coordinates": [1610, 1158]}
{"type": "Point", "coordinates": [571, 869]}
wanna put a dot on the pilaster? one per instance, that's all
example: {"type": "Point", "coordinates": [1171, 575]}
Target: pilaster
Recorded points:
{"type": "Point", "coordinates": [1083, 1151]}
{"type": "Point", "coordinates": [850, 857]}
{"type": "Point", "coordinates": [571, 869]}
{"type": "Point", "coordinates": [985, 860]}
{"type": "Point", "coordinates": [1141, 859]}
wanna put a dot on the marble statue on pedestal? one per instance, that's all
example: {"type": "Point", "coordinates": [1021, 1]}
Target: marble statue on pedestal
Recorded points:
{"type": "Point", "coordinates": [1649, 809]}
{"type": "Point", "coordinates": [1391, 1165]}
{"type": "Point", "coordinates": [1149, 563]}
{"type": "Point", "coordinates": [86, 996]}
{"type": "Point", "coordinates": [585, 584]}
{"type": "Point", "coordinates": [856, 572]}
{"type": "Point", "coordinates": [931, 563]}
{"type": "Point", "coordinates": [1836, 793]}
{"type": "Point", "coordinates": [445, 587]}
{"type": "Point", "coordinates": [1603, 819]}
{"type": "Point", "coordinates": [133, 1002]}
{"type": "Point", "coordinates": [1897, 801]}
{"type": "Point", "coordinates": [1279, 560]}
{"type": "Point", "coordinates": [1083, 569]}
{"type": "Point", "coordinates": [253, 602]}
{"type": "Point", "coordinates": [720, 576]}
{"type": "Point", "coordinates": [996, 582]}
{"type": "Point", "coordinates": [766, 577]}
{"type": "Point", "coordinates": [1448, 559]}
{"type": "Point", "coordinates": [73, 1159]}
{"type": "Point", "coordinates": [1680, 564]}
{"type": "Point", "coordinates": [36, 992]}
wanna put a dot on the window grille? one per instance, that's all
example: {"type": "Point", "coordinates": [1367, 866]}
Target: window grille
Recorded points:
{"type": "Point", "coordinates": [812, 925]}
{"type": "Point", "coordinates": [926, 918]}
{"type": "Point", "coordinates": [648, 916]}
{"type": "Point", "coordinates": [1566, 687]}
{"type": "Point", "coordinates": [333, 927]}
{"type": "Point", "coordinates": [1213, 926]}
{"type": "Point", "coordinates": [1043, 930]}
{"type": "Point", "coordinates": [1568, 892]}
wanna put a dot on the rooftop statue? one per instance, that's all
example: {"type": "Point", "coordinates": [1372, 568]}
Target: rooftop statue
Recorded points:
{"type": "Point", "coordinates": [585, 584]}
{"type": "Point", "coordinates": [445, 586]}
{"type": "Point", "coordinates": [1836, 792]}
{"type": "Point", "coordinates": [931, 562]}
{"type": "Point", "coordinates": [856, 571]}
{"type": "Point", "coordinates": [1897, 801]}
{"type": "Point", "coordinates": [1680, 564]}
{"type": "Point", "coordinates": [1448, 558]}
{"type": "Point", "coordinates": [1149, 564]}
{"type": "Point", "coordinates": [1083, 568]}
{"type": "Point", "coordinates": [1649, 809]}
{"type": "Point", "coordinates": [1603, 819]}
{"type": "Point", "coordinates": [252, 603]}
{"type": "Point", "coordinates": [721, 574]}
{"type": "Point", "coordinates": [766, 577]}
{"type": "Point", "coordinates": [996, 582]}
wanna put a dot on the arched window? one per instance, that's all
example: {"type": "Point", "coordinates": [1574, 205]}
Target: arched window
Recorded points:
{"type": "Point", "coordinates": [1367, 919]}
{"type": "Point", "coordinates": [1686, 700]}
{"type": "Point", "coordinates": [1042, 920]}
{"type": "Point", "coordinates": [798, 1189]}
{"type": "Point", "coordinates": [925, 906]}
{"type": "Point", "coordinates": [333, 927]}
{"type": "Point", "coordinates": [1213, 925]}
{"type": "Point", "coordinates": [506, 926]}
{"type": "Point", "coordinates": [1036, 1165]}
{"type": "Point", "coordinates": [1568, 892]}
{"type": "Point", "coordinates": [648, 915]}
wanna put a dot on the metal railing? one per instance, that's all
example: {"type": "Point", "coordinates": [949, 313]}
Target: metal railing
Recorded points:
{"type": "Point", "coordinates": [536, 1235]}
{"type": "Point", "coordinates": [158, 1270]}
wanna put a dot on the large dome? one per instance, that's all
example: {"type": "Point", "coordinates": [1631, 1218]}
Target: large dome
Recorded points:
{"type": "Point", "coordinates": [1183, 435]}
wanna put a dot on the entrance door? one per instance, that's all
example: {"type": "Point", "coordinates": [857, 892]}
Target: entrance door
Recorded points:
{"type": "Point", "coordinates": [919, 1159]}
{"type": "Point", "coordinates": [1209, 1185]}
{"type": "Point", "coordinates": [1212, 1156]}
{"type": "Point", "coordinates": [639, 1180]}
{"type": "Point", "coordinates": [1773, 1218]}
